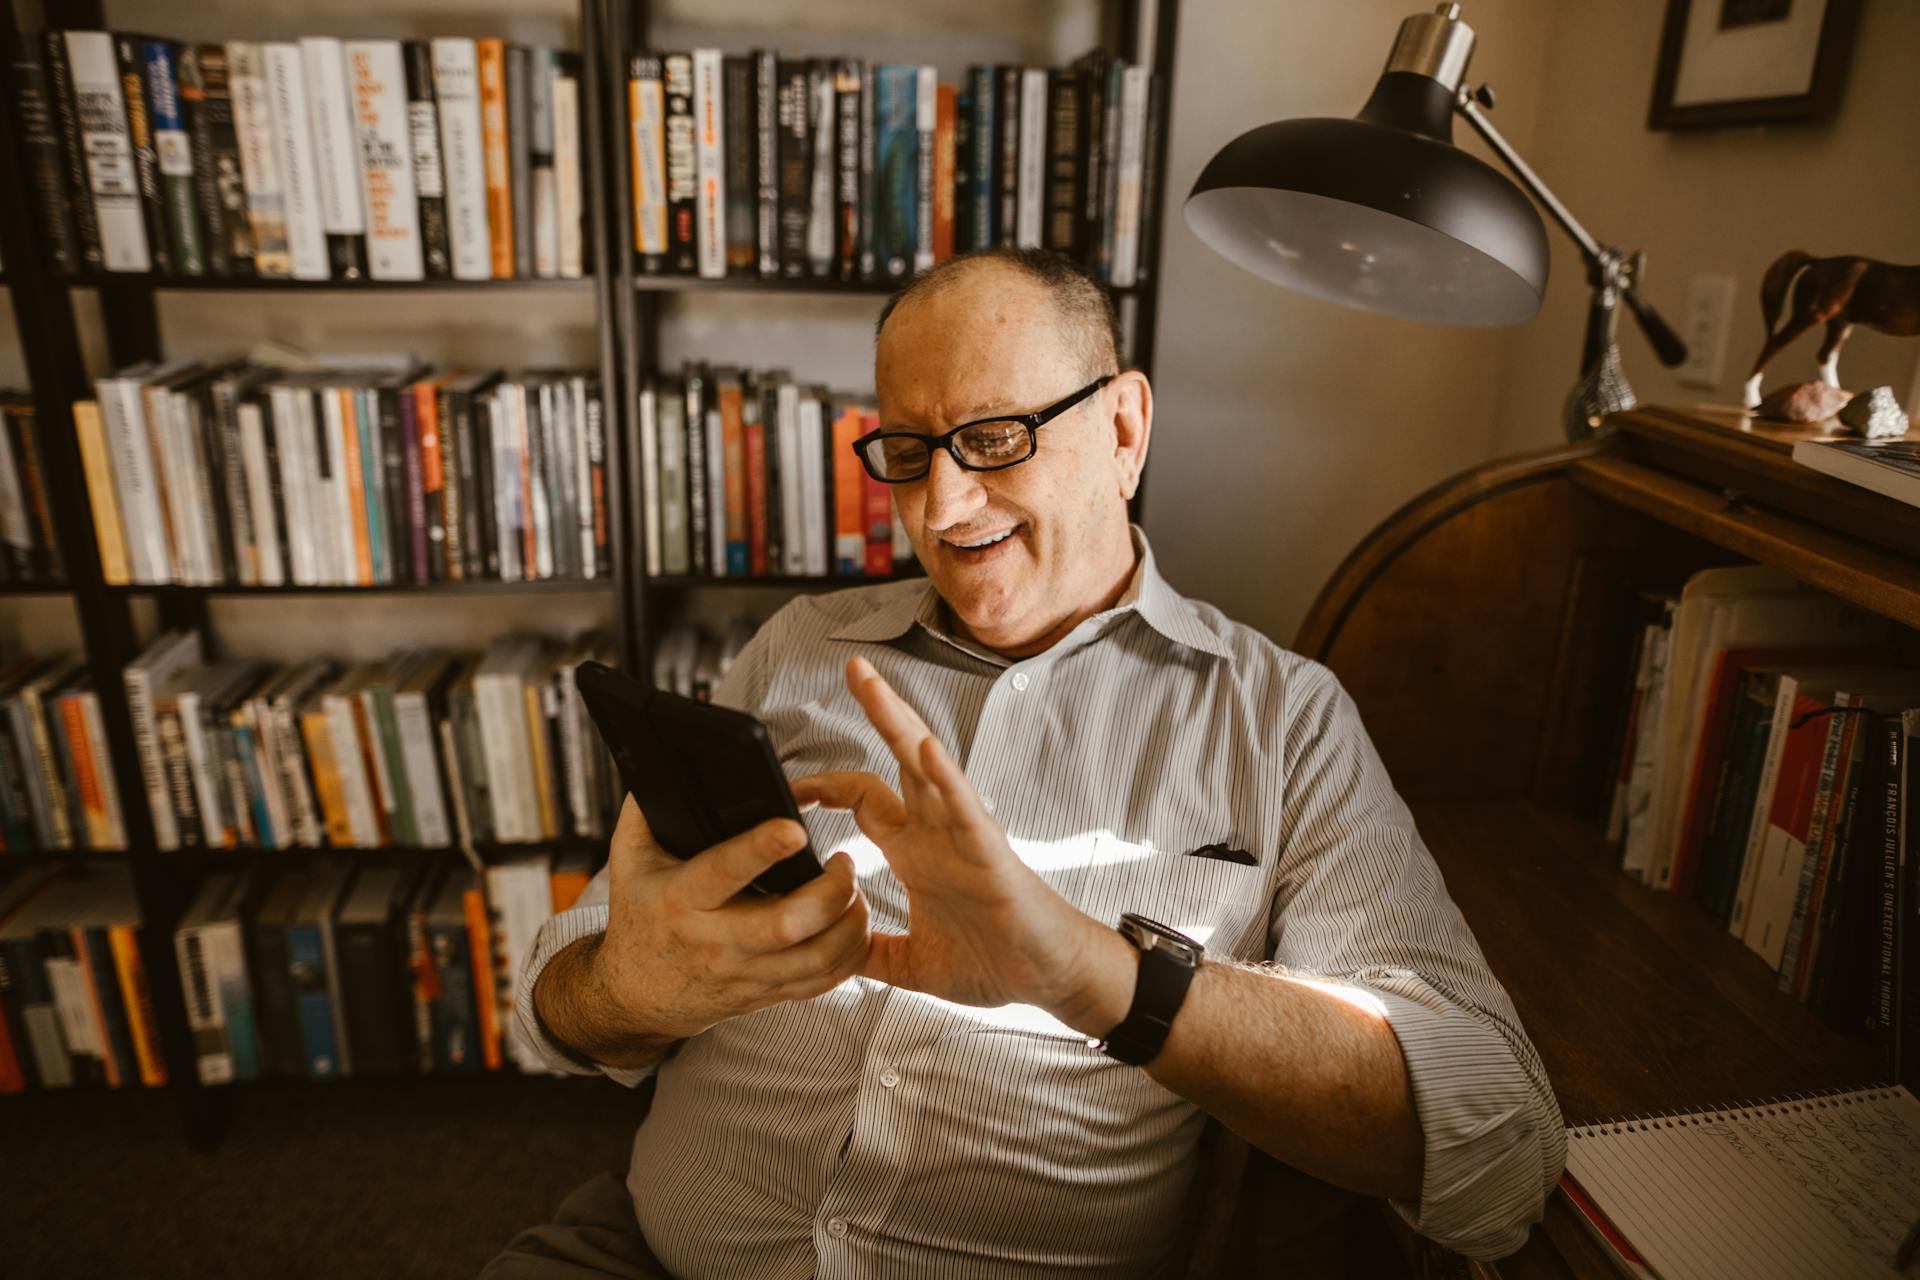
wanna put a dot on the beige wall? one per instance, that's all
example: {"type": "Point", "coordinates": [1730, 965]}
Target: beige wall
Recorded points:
{"type": "Point", "coordinates": [1287, 428]}
{"type": "Point", "coordinates": [1726, 202]}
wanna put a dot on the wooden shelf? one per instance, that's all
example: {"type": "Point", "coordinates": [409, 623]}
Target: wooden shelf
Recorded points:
{"type": "Point", "coordinates": [481, 587]}
{"type": "Point", "coordinates": [686, 582]}
{"type": "Point", "coordinates": [674, 283]}
{"type": "Point", "coordinates": [202, 858]}
{"type": "Point", "coordinates": [1870, 576]}
{"type": "Point", "coordinates": [34, 589]}
{"type": "Point", "coordinates": [257, 284]}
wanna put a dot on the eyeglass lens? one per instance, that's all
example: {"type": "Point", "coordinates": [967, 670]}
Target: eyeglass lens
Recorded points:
{"type": "Point", "coordinates": [986, 444]}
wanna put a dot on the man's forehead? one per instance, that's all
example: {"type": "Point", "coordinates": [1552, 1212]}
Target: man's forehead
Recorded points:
{"type": "Point", "coordinates": [985, 343]}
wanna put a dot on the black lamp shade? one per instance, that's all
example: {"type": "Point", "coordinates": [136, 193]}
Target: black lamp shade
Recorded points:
{"type": "Point", "coordinates": [1381, 212]}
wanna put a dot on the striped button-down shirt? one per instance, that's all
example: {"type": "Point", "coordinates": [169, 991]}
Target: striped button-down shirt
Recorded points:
{"type": "Point", "coordinates": [878, 1132]}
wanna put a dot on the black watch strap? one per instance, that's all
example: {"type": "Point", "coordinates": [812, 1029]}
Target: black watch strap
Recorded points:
{"type": "Point", "coordinates": [1168, 961]}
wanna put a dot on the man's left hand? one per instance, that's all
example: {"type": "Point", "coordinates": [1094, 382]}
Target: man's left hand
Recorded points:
{"type": "Point", "coordinates": [983, 927]}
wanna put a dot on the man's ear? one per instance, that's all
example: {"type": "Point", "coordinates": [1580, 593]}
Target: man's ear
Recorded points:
{"type": "Point", "coordinates": [1132, 425]}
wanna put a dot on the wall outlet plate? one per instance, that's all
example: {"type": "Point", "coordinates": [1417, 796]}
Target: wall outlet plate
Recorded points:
{"type": "Point", "coordinates": [1704, 328]}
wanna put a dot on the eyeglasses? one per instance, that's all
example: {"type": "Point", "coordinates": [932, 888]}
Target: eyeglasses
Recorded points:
{"type": "Point", "coordinates": [990, 444]}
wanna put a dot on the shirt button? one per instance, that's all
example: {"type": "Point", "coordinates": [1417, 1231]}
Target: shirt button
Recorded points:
{"type": "Point", "coordinates": [1020, 682]}
{"type": "Point", "coordinates": [889, 1078]}
{"type": "Point", "coordinates": [837, 1228]}
{"type": "Point", "coordinates": [986, 802]}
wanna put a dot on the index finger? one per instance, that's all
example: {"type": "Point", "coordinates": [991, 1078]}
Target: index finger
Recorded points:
{"type": "Point", "coordinates": [899, 725]}
{"type": "Point", "coordinates": [713, 877]}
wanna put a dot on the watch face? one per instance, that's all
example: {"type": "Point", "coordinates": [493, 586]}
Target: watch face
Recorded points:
{"type": "Point", "coordinates": [1151, 935]}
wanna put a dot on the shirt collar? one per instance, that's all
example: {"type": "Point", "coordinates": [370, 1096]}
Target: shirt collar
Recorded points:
{"type": "Point", "coordinates": [1147, 594]}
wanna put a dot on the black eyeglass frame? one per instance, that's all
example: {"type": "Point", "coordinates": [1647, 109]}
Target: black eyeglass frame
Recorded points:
{"type": "Point", "coordinates": [1031, 421]}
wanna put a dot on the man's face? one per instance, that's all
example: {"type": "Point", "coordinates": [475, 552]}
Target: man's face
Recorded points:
{"type": "Point", "coordinates": [992, 343]}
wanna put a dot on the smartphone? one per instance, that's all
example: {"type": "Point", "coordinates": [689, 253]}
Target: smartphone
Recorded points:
{"type": "Point", "coordinates": [700, 773]}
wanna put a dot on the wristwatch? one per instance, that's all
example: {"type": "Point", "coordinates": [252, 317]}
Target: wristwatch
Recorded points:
{"type": "Point", "coordinates": [1168, 960]}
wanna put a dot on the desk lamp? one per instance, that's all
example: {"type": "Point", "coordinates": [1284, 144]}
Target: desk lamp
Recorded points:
{"type": "Point", "coordinates": [1382, 212]}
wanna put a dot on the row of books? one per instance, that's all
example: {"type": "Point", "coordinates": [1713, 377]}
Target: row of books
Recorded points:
{"type": "Point", "coordinates": [316, 159]}
{"type": "Point", "coordinates": [75, 1006]}
{"type": "Point", "coordinates": [244, 473]}
{"type": "Point", "coordinates": [29, 549]}
{"type": "Point", "coordinates": [1766, 771]}
{"type": "Point", "coordinates": [690, 659]}
{"type": "Point", "coordinates": [832, 169]}
{"type": "Point", "coordinates": [57, 788]}
{"type": "Point", "coordinates": [748, 474]}
{"type": "Point", "coordinates": [428, 748]}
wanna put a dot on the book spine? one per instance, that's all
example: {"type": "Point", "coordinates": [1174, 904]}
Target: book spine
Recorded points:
{"type": "Point", "coordinates": [1813, 862]}
{"type": "Point", "coordinates": [650, 477]}
{"type": "Point", "coordinates": [270, 968]}
{"type": "Point", "coordinates": [466, 454]}
{"type": "Point", "coordinates": [413, 726]}
{"type": "Point", "coordinates": [520, 159]}
{"type": "Point", "coordinates": [287, 97]}
{"type": "Point", "coordinates": [766, 162]}
{"type": "Point", "coordinates": [540, 509]}
{"type": "Point", "coordinates": [386, 154]}
{"type": "Point", "coordinates": [945, 158]}
{"type": "Point", "coordinates": [105, 141]}
{"type": "Point", "coordinates": [429, 180]}
{"type": "Point", "coordinates": [646, 112]}
{"type": "Point", "coordinates": [1089, 193]}
{"type": "Point", "coordinates": [75, 194]}
{"type": "Point", "coordinates": [869, 185]}
{"type": "Point", "coordinates": [132, 976]}
{"type": "Point", "coordinates": [1030, 231]}
{"type": "Point", "coordinates": [492, 61]}
{"type": "Point", "coordinates": [115, 836]}
{"type": "Point", "coordinates": [849, 495]}
{"type": "Point", "coordinates": [697, 487]}
{"type": "Point", "coordinates": [173, 157]}
{"type": "Point", "coordinates": [983, 157]}
{"type": "Point", "coordinates": [322, 1055]}
{"type": "Point", "coordinates": [456, 86]}
{"type": "Point", "coordinates": [896, 169]}
{"type": "Point", "coordinates": [569, 171]}
{"type": "Point", "coordinates": [926, 106]}
{"type": "Point", "coordinates": [683, 164]}
{"type": "Point", "coordinates": [146, 160]}
{"type": "Point", "coordinates": [754, 433]}
{"type": "Point", "coordinates": [675, 552]}
{"type": "Point", "coordinates": [377, 1023]}
{"type": "Point", "coordinates": [1890, 755]}
{"type": "Point", "coordinates": [40, 139]}
{"type": "Point", "coordinates": [740, 146]}
{"type": "Point", "coordinates": [815, 483]}
{"type": "Point", "coordinates": [961, 188]}
{"type": "Point", "coordinates": [595, 531]}
{"type": "Point", "coordinates": [821, 186]}
{"type": "Point", "coordinates": [456, 1031]}
{"type": "Point", "coordinates": [102, 1004]}
{"type": "Point", "coordinates": [543, 195]}
{"type": "Point", "coordinates": [373, 475]}
{"type": "Point", "coordinates": [259, 159]}
{"type": "Point", "coordinates": [796, 156]}
{"type": "Point", "coordinates": [218, 177]}
{"type": "Point", "coordinates": [336, 157]}
{"type": "Point", "coordinates": [709, 114]}
{"type": "Point", "coordinates": [146, 740]}
{"type": "Point", "coordinates": [206, 1019]}
{"type": "Point", "coordinates": [1007, 124]}
{"type": "Point", "coordinates": [1109, 167]}
{"type": "Point", "coordinates": [108, 528]}
{"type": "Point", "coordinates": [1129, 180]}
{"type": "Point", "coordinates": [1062, 201]}
{"type": "Point", "coordinates": [396, 531]}
{"type": "Point", "coordinates": [846, 153]}
{"type": "Point", "coordinates": [452, 484]}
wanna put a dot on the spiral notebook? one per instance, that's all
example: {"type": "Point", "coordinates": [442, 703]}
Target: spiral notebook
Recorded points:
{"type": "Point", "coordinates": [1823, 1185]}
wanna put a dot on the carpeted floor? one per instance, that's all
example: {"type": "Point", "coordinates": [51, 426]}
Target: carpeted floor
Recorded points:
{"type": "Point", "coordinates": [362, 1178]}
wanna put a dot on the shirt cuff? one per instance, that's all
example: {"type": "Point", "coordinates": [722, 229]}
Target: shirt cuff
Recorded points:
{"type": "Point", "coordinates": [1495, 1143]}
{"type": "Point", "coordinates": [556, 935]}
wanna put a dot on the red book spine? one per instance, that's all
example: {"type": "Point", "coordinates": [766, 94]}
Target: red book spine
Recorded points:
{"type": "Point", "coordinates": [756, 433]}
{"type": "Point", "coordinates": [945, 102]}
{"type": "Point", "coordinates": [879, 523]}
{"type": "Point", "coordinates": [849, 495]}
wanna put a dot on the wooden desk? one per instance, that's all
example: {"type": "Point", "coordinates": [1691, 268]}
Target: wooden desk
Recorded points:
{"type": "Point", "coordinates": [1481, 633]}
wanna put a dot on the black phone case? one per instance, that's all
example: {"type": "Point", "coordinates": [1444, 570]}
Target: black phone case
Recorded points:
{"type": "Point", "coordinates": [699, 772]}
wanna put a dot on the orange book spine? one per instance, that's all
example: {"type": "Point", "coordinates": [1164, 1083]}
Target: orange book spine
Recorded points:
{"type": "Point", "coordinates": [433, 476]}
{"type": "Point", "coordinates": [733, 453]}
{"type": "Point", "coordinates": [636, 157]}
{"type": "Point", "coordinates": [125, 943]}
{"type": "Point", "coordinates": [81, 956]}
{"type": "Point", "coordinates": [326, 779]}
{"type": "Point", "coordinates": [356, 490]}
{"type": "Point", "coordinates": [92, 802]}
{"type": "Point", "coordinates": [566, 887]}
{"type": "Point", "coordinates": [849, 495]}
{"type": "Point", "coordinates": [493, 140]}
{"type": "Point", "coordinates": [878, 509]}
{"type": "Point", "coordinates": [945, 106]}
{"type": "Point", "coordinates": [480, 938]}
{"type": "Point", "coordinates": [756, 433]}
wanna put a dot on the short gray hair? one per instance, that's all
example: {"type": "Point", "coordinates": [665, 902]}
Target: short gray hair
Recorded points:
{"type": "Point", "coordinates": [1086, 311]}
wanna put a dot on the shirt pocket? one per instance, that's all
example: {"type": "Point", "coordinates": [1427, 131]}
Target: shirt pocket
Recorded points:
{"type": "Point", "coordinates": [1221, 905]}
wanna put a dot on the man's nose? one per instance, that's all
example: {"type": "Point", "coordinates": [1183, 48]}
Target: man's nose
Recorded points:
{"type": "Point", "coordinates": [953, 492]}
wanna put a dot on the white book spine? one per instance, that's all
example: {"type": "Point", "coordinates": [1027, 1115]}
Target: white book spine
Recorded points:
{"type": "Point", "coordinates": [226, 951]}
{"type": "Point", "coordinates": [336, 557]}
{"type": "Point", "coordinates": [502, 724]}
{"type": "Point", "coordinates": [206, 786]}
{"type": "Point", "coordinates": [386, 155]}
{"type": "Point", "coordinates": [823, 135]}
{"type": "Point", "coordinates": [163, 438]}
{"type": "Point", "coordinates": [349, 764]}
{"type": "Point", "coordinates": [650, 474]}
{"type": "Point", "coordinates": [813, 495]}
{"type": "Point", "coordinates": [383, 768]}
{"type": "Point", "coordinates": [456, 85]}
{"type": "Point", "coordinates": [291, 748]}
{"type": "Point", "coordinates": [542, 67]}
{"type": "Point", "coordinates": [570, 193]}
{"type": "Point", "coordinates": [1031, 187]}
{"type": "Point", "coordinates": [101, 111]}
{"type": "Point", "coordinates": [15, 530]}
{"type": "Point", "coordinates": [123, 411]}
{"type": "Point", "coordinates": [649, 142]}
{"type": "Point", "coordinates": [792, 485]}
{"type": "Point", "coordinates": [266, 763]}
{"type": "Point", "coordinates": [284, 402]}
{"type": "Point", "coordinates": [1124, 270]}
{"type": "Point", "coordinates": [336, 151]}
{"type": "Point", "coordinates": [287, 96]}
{"type": "Point", "coordinates": [716, 494]}
{"type": "Point", "coordinates": [253, 457]}
{"type": "Point", "coordinates": [674, 551]}
{"type": "Point", "coordinates": [710, 205]}
{"type": "Point", "coordinates": [206, 1017]}
{"type": "Point", "coordinates": [1783, 700]}
{"type": "Point", "coordinates": [73, 1001]}
{"type": "Point", "coordinates": [926, 114]}
{"type": "Point", "coordinates": [201, 541]}
{"type": "Point", "coordinates": [116, 834]}
{"type": "Point", "coordinates": [259, 159]}
{"type": "Point", "coordinates": [506, 470]}
{"type": "Point", "coordinates": [583, 475]}
{"type": "Point", "coordinates": [415, 724]}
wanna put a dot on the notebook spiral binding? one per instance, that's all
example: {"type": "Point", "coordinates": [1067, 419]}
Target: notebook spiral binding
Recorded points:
{"type": "Point", "coordinates": [1750, 1109]}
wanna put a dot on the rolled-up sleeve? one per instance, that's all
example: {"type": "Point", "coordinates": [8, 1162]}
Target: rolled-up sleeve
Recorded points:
{"type": "Point", "coordinates": [742, 687]}
{"type": "Point", "coordinates": [1360, 899]}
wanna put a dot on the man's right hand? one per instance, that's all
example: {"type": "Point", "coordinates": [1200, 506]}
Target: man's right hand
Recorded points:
{"type": "Point", "coordinates": [686, 947]}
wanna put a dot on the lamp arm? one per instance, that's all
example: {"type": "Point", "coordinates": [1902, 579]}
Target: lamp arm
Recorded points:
{"type": "Point", "coordinates": [1589, 247]}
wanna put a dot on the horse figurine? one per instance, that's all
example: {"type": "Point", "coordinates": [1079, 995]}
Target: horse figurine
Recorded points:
{"type": "Point", "coordinates": [1839, 293]}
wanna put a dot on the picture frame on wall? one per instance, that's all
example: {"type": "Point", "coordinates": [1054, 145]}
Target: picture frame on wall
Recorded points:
{"type": "Point", "coordinates": [1727, 63]}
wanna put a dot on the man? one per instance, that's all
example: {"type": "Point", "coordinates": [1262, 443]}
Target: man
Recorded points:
{"type": "Point", "coordinates": [893, 1071]}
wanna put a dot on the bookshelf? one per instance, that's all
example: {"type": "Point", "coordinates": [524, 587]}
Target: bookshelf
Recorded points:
{"type": "Point", "coordinates": [75, 326]}
{"type": "Point", "coordinates": [1506, 582]}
